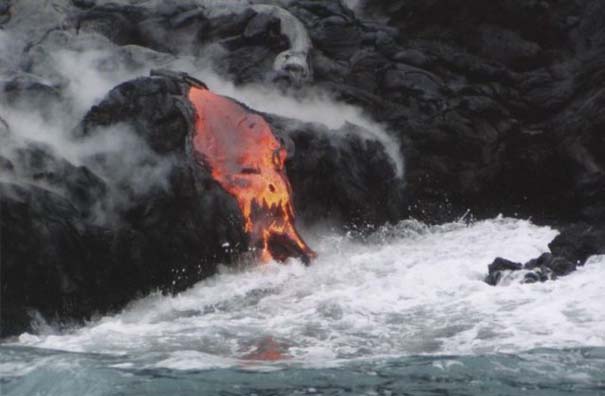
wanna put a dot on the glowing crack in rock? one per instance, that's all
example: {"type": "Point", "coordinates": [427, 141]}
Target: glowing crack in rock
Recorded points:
{"type": "Point", "coordinates": [248, 161]}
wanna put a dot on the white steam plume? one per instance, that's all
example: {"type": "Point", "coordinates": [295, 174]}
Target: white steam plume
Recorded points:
{"type": "Point", "coordinates": [85, 67]}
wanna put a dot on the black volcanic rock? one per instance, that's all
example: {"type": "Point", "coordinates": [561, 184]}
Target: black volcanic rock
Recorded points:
{"type": "Point", "coordinates": [65, 257]}
{"type": "Point", "coordinates": [496, 106]}
{"type": "Point", "coordinates": [58, 265]}
{"type": "Point", "coordinates": [76, 242]}
{"type": "Point", "coordinates": [152, 106]}
{"type": "Point", "coordinates": [339, 175]}
{"type": "Point", "coordinates": [334, 174]}
{"type": "Point", "coordinates": [501, 264]}
{"type": "Point", "coordinates": [90, 238]}
{"type": "Point", "coordinates": [570, 249]}
{"type": "Point", "coordinates": [41, 257]}
{"type": "Point", "coordinates": [578, 242]}
{"type": "Point", "coordinates": [38, 164]}
{"type": "Point", "coordinates": [507, 120]}
{"type": "Point", "coordinates": [497, 268]}
{"type": "Point", "coordinates": [558, 265]}
{"type": "Point", "coordinates": [186, 217]}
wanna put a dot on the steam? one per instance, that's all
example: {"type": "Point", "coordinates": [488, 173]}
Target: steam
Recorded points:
{"type": "Point", "coordinates": [311, 105]}
{"type": "Point", "coordinates": [82, 68]}
{"type": "Point", "coordinates": [354, 5]}
{"type": "Point", "coordinates": [4, 45]}
{"type": "Point", "coordinates": [293, 62]}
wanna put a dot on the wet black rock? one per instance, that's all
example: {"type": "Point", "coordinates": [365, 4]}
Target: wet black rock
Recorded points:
{"type": "Point", "coordinates": [497, 268]}
{"type": "Point", "coordinates": [496, 106]}
{"type": "Point", "coordinates": [41, 256]}
{"type": "Point", "coordinates": [570, 249]}
{"type": "Point", "coordinates": [90, 238]}
{"type": "Point", "coordinates": [337, 175]}
{"type": "Point", "coordinates": [500, 115]}
{"type": "Point", "coordinates": [501, 264]}
{"type": "Point", "coordinates": [76, 242]}
{"type": "Point", "coordinates": [559, 265]}
{"type": "Point", "coordinates": [578, 242]}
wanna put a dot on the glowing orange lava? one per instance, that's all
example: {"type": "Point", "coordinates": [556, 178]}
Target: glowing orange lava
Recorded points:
{"type": "Point", "coordinates": [248, 161]}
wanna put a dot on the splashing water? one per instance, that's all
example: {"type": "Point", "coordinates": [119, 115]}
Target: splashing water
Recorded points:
{"type": "Point", "coordinates": [407, 290]}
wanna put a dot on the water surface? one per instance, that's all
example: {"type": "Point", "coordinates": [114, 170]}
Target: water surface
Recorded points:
{"type": "Point", "coordinates": [404, 312]}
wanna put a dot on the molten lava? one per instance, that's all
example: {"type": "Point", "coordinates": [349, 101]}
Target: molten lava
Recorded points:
{"type": "Point", "coordinates": [247, 160]}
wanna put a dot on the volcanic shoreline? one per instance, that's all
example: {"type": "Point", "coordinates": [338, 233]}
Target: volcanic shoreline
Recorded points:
{"type": "Point", "coordinates": [496, 108]}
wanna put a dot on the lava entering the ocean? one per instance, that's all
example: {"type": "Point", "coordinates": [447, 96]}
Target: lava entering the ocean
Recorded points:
{"type": "Point", "coordinates": [247, 160]}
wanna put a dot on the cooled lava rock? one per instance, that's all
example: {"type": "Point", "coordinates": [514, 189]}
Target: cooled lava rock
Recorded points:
{"type": "Point", "coordinates": [41, 255]}
{"type": "Point", "coordinates": [496, 106]}
{"type": "Point", "coordinates": [570, 249]}
{"type": "Point", "coordinates": [89, 238]}
{"type": "Point", "coordinates": [578, 242]}
{"type": "Point", "coordinates": [509, 118]}
{"type": "Point", "coordinates": [333, 173]}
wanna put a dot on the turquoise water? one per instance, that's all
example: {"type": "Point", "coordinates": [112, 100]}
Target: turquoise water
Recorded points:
{"type": "Point", "coordinates": [403, 312]}
{"type": "Point", "coordinates": [539, 372]}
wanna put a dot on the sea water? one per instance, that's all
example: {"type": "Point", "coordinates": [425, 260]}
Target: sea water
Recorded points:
{"type": "Point", "coordinates": [402, 311]}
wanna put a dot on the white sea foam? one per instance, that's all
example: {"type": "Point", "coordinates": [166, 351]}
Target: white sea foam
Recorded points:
{"type": "Point", "coordinates": [410, 289]}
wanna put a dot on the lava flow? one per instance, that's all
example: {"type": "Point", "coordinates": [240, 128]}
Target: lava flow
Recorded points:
{"type": "Point", "coordinates": [248, 161]}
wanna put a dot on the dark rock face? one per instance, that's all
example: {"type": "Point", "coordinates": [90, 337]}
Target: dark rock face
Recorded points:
{"type": "Point", "coordinates": [40, 165]}
{"type": "Point", "coordinates": [511, 122]}
{"type": "Point", "coordinates": [336, 173]}
{"type": "Point", "coordinates": [39, 245]}
{"type": "Point", "coordinates": [496, 106]}
{"type": "Point", "coordinates": [75, 253]}
{"type": "Point", "coordinates": [578, 242]}
{"type": "Point", "coordinates": [61, 260]}
{"type": "Point", "coordinates": [333, 173]}
{"type": "Point", "coordinates": [501, 115]}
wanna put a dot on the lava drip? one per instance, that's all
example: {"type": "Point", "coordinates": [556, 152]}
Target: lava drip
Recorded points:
{"type": "Point", "coordinates": [248, 161]}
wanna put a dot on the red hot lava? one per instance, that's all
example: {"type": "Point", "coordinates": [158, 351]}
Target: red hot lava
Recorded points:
{"type": "Point", "coordinates": [248, 161]}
